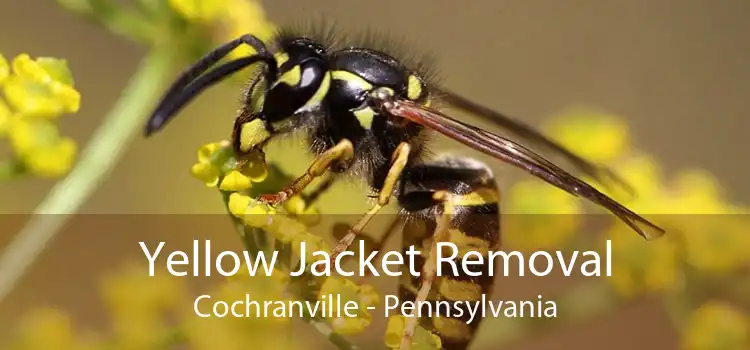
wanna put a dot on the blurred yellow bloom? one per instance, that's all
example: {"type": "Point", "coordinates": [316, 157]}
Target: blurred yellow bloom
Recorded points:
{"type": "Point", "coordinates": [697, 192]}
{"type": "Point", "coordinates": [204, 11]}
{"type": "Point", "coordinates": [283, 227]}
{"type": "Point", "coordinates": [47, 329]}
{"type": "Point", "coordinates": [4, 69]}
{"type": "Point", "coordinates": [288, 230]}
{"type": "Point", "coordinates": [645, 175]}
{"type": "Point", "coordinates": [640, 266]}
{"type": "Point", "coordinates": [539, 216]}
{"type": "Point", "coordinates": [243, 332]}
{"type": "Point", "coordinates": [364, 296]}
{"type": "Point", "coordinates": [537, 197]}
{"type": "Point", "coordinates": [41, 87]}
{"type": "Point", "coordinates": [130, 290]}
{"type": "Point", "coordinates": [232, 18]}
{"type": "Point", "coordinates": [313, 242]}
{"type": "Point", "coordinates": [244, 17]}
{"type": "Point", "coordinates": [715, 243]}
{"type": "Point", "coordinates": [717, 325]}
{"type": "Point", "coordinates": [422, 340]}
{"type": "Point", "coordinates": [6, 116]}
{"type": "Point", "coordinates": [138, 303]}
{"type": "Point", "coordinates": [595, 135]}
{"type": "Point", "coordinates": [37, 143]}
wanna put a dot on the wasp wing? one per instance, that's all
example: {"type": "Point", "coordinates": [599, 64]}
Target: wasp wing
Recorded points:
{"type": "Point", "coordinates": [528, 133]}
{"type": "Point", "coordinates": [519, 156]}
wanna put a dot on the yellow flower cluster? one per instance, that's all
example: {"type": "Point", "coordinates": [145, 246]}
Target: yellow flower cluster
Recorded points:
{"type": "Point", "coordinates": [36, 93]}
{"type": "Point", "coordinates": [232, 17]}
{"type": "Point", "coordinates": [217, 167]}
{"type": "Point", "coordinates": [688, 206]}
{"type": "Point", "coordinates": [364, 296]}
{"type": "Point", "coordinates": [156, 313]}
{"type": "Point", "coordinates": [138, 304]}
{"type": "Point", "coordinates": [138, 307]}
{"type": "Point", "coordinates": [237, 333]}
{"type": "Point", "coordinates": [717, 325]}
{"type": "Point", "coordinates": [422, 339]}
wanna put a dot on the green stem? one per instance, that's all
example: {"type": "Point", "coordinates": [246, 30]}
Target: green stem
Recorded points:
{"type": "Point", "coordinates": [103, 151]}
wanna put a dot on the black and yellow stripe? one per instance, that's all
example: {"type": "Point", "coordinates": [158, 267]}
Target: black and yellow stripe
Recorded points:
{"type": "Point", "coordinates": [471, 195]}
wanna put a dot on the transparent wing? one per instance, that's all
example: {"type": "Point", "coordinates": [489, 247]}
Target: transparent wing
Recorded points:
{"type": "Point", "coordinates": [508, 151]}
{"type": "Point", "coordinates": [534, 137]}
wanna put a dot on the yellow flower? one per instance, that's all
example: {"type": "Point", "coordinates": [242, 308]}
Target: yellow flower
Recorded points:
{"type": "Point", "coordinates": [422, 340]}
{"type": "Point", "coordinates": [4, 69]}
{"type": "Point", "coordinates": [363, 296]}
{"type": "Point", "coordinates": [206, 172]}
{"type": "Point", "coordinates": [40, 147]}
{"type": "Point", "coordinates": [41, 87]}
{"type": "Point", "coordinates": [138, 303]}
{"type": "Point", "coordinates": [254, 166]}
{"type": "Point", "coordinates": [251, 212]}
{"type": "Point", "coordinates": [644, 174]}
{"type": "Point", "coordinates": [199, 10]}
{"type": "Point", "coordinates": [287, 230]}
{"type": "Point", "coordinates": [216, 161]}
{"type": "Point", "coordinates": [207, 169]}
{"type": "Point", "coordinates": [595, 135]}
{"type": "Point", "coordinates": [295, 205]}
{"type": "Point", "coordinates": [541, 216]}
{"type": "Point", "coordinates": [640, 266]}
{"type": "Point", "coordinates": [313, 243]}
{"type": "Point", "coordinates": [6, 116]}
{"type": "Point", "coordinates": [245, 17]}
{"type": "Point", "coordinates": [47, 329]}
{"type": "Point", "coordinates": [717, 325]}
{"type": "Point", "coordinates": [715, 243]}
{"type": "Point", "coordinates": [697, 192]}
{"type": "Point", "coordinates": [235, 181]}
{"type": "Point", "coordinates": [237, 332]}
{"type": "Point", "coordinates": [54, 161]}
{"type": "Point", "coordinates": [132, 291]}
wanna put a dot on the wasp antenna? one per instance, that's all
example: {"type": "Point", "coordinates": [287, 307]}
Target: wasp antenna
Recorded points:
{"type": "Point", "coordinates": [179, 100]}
{"type": "Point", "coordinates": [190, 82]}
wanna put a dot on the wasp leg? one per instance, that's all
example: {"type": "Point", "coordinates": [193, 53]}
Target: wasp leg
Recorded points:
{"type": "Point", "coordinates": [341, 152]}
{"type": "Point", "coordinates": [429, 270]}
{"type": "Point", "coordinates": [378, 246]}
{"type": "Point", "coordinates": [453, 200]}
{"type": "Point", "coordinates": [398, 163]}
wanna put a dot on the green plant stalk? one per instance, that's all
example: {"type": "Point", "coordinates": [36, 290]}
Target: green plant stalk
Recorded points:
{"type": "Point", "coordinates": [102, 153]}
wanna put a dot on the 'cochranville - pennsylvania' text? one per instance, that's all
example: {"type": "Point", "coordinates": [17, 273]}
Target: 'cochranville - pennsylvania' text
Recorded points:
{"type": "Point", "coordinates": [201, 261]}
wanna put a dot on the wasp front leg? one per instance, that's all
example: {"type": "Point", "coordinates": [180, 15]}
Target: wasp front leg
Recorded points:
{"type": "Point", "coordinates": [398, 163]}
{"type": "Point", "coordinates": [342, 152]}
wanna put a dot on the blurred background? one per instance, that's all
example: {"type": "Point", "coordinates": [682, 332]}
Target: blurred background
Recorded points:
{"type": "Point", "coordinates": [674, 71]}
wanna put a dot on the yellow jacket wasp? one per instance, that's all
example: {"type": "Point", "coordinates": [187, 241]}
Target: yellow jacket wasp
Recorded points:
{"type": "Point", "coordinates": [366, 114]}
